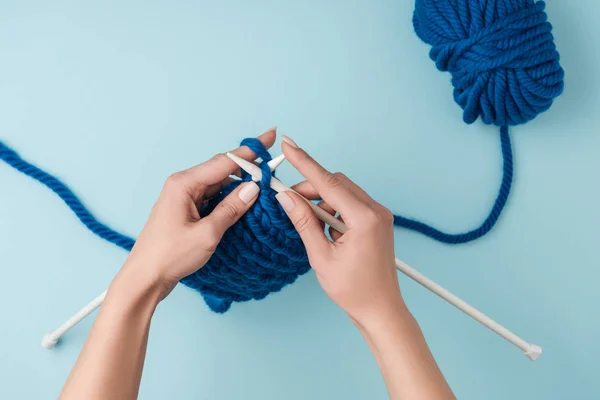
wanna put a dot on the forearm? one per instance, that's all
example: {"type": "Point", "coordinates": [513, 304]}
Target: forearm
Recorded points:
{"type": "Point", "coordinates": [406, 363]}
{"type": "Point", "coordinates": [110, 364]}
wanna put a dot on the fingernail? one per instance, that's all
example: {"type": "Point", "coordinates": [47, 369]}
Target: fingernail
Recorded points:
{"type": "Point", "coordinates": [289, 141]}
{"type": "Point", "coordinates": [248, 192]}
{"type": "Point", "coordinates": [285, 200]}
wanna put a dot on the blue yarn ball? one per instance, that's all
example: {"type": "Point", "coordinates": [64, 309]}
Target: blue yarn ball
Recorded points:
{"type": "Point", "coordinates": [500, 53]}
{"type": "Point", "coordinates": [258, 255]}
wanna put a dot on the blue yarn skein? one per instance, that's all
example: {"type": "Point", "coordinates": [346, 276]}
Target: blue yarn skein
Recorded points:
{"type": "Point", "coordinates": [259, 255]}
{"type": "Point", "coordinates": [504, 67]}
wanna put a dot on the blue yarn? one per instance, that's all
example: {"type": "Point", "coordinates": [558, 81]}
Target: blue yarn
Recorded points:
{"type": "Point", "coordinates": [13, 159]}
{"type": "Point", "coordinates": [492, 217]}
{"type": "Point", "coordinates": [500, 53]}
{"type": "Point", "coordinates": [504, 67]}
{"type": "Point", "coordinates": [259, 255]}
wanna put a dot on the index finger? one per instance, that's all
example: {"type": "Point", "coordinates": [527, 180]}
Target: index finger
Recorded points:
{"type": "Point", "coordinates": [329, 186]}
{"type": "Point", "coordinates": [306, 189]}
{"type": "Point", "coordinates": [220, 166]}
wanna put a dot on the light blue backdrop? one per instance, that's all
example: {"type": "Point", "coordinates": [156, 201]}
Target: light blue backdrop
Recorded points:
{"type": "Point", "coordinates": [114, 96]}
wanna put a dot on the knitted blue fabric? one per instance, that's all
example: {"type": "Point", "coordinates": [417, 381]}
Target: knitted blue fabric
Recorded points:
{"type": "Point", "coordinates": [504, 68]}
{"type": "Point", "coordinates": [258, 255]}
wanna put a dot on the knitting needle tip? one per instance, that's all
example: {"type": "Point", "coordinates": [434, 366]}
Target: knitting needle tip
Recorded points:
{"type": "Point", "coordinates": [51, 339]}
{"type": "Point", "coordinates": [247, 166]}
{"type": "Point", "coordinates": [276, 162]}
{"type": "Point", "coordinates": [252, 169]}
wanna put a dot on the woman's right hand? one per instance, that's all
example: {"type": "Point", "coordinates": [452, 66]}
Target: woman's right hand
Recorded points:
{"type": "Point", "coordinates": [357, 270]}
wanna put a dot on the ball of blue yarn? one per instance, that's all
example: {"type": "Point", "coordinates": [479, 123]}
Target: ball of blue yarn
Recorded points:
{"type": "Point", "coordinates": [258, 255]}
{"type": "Point", "coordinates": [505, 69]}
{"type": "Point", "coordinates": [500, 53]}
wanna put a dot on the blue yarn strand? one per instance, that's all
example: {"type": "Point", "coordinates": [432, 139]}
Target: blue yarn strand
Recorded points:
{"type": "Point", "coordinates": [492, 218]}
{"type": "Point", "coordinates": [13, 159]}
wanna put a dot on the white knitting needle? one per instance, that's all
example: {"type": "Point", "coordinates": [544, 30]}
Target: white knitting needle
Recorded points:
{"type": "Point", "coordinates": [531, 350]}
{"type": "Point", "coordinates": [51, 339]}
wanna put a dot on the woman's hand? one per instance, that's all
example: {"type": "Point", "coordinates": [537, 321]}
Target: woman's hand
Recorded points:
{"type": "Point", "coordinates": [358, 269]}
{"type": "Point", "coordinates": [358, 272]}
{"type": "Point", "coordinates": [176, 241]}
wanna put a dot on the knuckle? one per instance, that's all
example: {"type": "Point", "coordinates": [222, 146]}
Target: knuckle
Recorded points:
{"type": "Point", "coordinates": [303, 223]}
{"type": "Point", "coordinates": [175, 180]}
{"type": "Point", "coordinates": [331, 180]}
{"type": "Point", "coordinates": [230, 211]}
{"type": "Point", "coordinates": [219, 158]}
{"type": "Point", "coordinates": [370, 218]}
{"type": "Point", "coordinates": [341, 176]}
{"type": "Point", "coordinates": [386, 215]}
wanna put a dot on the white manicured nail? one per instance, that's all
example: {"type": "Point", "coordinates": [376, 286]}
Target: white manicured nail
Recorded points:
{"type": "Point", "coordinates": [248, 192]}
{"type": "Point", "coordinates": [286, 201]}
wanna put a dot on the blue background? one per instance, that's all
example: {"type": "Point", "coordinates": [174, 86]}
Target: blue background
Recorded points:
{"type": "Point", "coordinates": [114, 96]}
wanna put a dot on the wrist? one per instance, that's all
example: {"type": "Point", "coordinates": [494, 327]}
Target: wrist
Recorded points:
{"type": "Point", "coordinates": [383, 319]}
{"type": "Point", "coordinates": [406, 363]}
{"type": "Point", "coordinates": [136, 283]}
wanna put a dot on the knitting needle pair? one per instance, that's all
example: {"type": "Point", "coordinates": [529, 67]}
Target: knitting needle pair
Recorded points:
{"type": "Point", "coordinates": [532, 351]}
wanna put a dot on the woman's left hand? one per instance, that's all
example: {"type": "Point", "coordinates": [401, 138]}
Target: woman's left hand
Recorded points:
{"type": "Point", "coordinates": [176, 241]}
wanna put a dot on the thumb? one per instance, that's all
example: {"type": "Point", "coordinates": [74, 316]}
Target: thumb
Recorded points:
{"type": "Point", "coordinates": [231, 208]}
{"type": "Point", "coordinates": [305, 221]}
